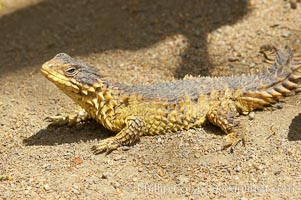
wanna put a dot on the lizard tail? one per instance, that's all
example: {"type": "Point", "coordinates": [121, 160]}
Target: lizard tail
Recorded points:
{"type": "Point", "coordinates": [281, 80]}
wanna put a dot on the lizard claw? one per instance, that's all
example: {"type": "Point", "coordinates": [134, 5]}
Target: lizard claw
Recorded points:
{"type": "Point", "coordinates": [106, 146]}
{"type": "Point", "coordinates": [57, 120]}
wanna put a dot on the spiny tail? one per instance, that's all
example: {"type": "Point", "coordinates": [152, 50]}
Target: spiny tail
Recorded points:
{"type": "Point", "coordinates": [281, 80]}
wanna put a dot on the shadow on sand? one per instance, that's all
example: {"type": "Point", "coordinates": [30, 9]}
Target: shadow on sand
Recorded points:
{"type": "Point", "coordinates": [34, 34]}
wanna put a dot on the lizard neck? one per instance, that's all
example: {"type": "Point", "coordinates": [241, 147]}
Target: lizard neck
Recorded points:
{"type": "Point", "coordinates": [100, 101]}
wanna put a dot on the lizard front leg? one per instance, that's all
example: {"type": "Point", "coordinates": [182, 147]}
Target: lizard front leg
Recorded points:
{"type": "Point", "coordinates": [224, 115]}
{"type": "Point", "coordinates": [127, 136]}
{"type": "Point", "coordinates": [72, 119]}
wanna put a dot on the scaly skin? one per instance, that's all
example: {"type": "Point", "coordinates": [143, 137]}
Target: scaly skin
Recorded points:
{"type": "Point", "coordinates": [133, 111]}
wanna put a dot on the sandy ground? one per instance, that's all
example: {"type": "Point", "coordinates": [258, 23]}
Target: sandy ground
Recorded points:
{"type": "Point", "coordinates": [143, 41]}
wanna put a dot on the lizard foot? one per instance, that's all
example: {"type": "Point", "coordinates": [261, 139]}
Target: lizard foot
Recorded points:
{"type": "Point", "coordinates": [232, 139]}
{"type": "Point", "coordinates": [106, 146]}
{"type": "Point", "coordinates": [127, 136]}
{"type": "Point", "coordinates": [70, 120]}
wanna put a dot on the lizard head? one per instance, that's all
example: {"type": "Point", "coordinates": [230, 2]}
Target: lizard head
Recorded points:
{"type": "Point", "coordinates": [73, 77]}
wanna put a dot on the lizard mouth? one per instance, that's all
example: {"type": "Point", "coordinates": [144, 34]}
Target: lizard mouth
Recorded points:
{"type": "Point", "coordinates": [58, 79]}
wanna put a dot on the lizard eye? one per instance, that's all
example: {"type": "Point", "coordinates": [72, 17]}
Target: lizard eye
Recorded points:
{"type": "Point", "coordinates": [71, 71]}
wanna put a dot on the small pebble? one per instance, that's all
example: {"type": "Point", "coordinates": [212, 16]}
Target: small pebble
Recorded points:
{"type": "Point", "coordinates": [215, 192]}
{"type": "Point", "coordinates": [117, 157]}
{"type": "Point", "coordinates": [219, 30]}
{"type": "Point", "coordinates": [49, 167]}
{"type": "Point", "coordinates": [125, 148]}
{"type": "Point", "coordinates": [279, 105]}
{"type": "Point", "coordinates": [233, 59]}
{"type": "Point", "coordinates": [197, 155]}
{"type": "Point", "coordinates": [252, 156]}
{"type": "Point", "coordinates": [251, 115]}
{"type": "Point", "coordinates": [237, 169]}
{"type": "Point", "coordinates": [116, 185]}
{"type": "Point", "coordinates": [252, 65]}
{"type": "Point", "coordinates": [286, 34]}
{"type": "Point", "coordinates": [146, 162]}
{"type": "Point", "coordinates": [260, 167]}
{"type": "Point", "coordinates": [46, 187]}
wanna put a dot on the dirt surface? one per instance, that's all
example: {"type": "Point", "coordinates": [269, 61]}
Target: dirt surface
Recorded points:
{"type": "Point", "coordinates": [143, 41]}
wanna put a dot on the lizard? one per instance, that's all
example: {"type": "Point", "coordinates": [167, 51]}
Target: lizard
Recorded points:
{"type": "Point", "coordinates": [132, 111]}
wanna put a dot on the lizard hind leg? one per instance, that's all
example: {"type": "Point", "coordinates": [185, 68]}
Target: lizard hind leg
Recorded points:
{"type": "Point", "coordinates": [129, 135]}
{"type": "Point", "coordinates": [224, 115]}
